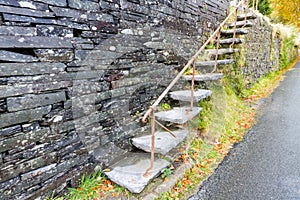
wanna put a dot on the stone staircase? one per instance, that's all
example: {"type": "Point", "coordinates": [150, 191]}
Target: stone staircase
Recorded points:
{"type": "Point", "coordinates": [129, 172]}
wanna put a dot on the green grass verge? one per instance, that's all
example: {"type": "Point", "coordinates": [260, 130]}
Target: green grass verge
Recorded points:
{"type": "Point", "coordinates": [224, 120]}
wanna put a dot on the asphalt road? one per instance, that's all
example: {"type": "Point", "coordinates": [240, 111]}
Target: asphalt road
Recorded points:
{"type": "Point", "coordinates": [266, 164]}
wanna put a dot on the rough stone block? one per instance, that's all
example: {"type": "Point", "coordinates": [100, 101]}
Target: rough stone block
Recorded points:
{"type": "Point", "coordinates": [248, 16]}
{"type": "Point", "coordinates": [212, 63]}
{"type": "Point", "coordinates": [213, 52]}
{"type": "Point", "coordinates": [164, 141]}
{"type": "Point", "coordinates": [179, 115]}
{"type": "Point", "coordinates": [18, 31]}
{"type": "Point", "coordinates": [54, 2]}
{"type": "Point", "coordinates": [8, 119]}
{"type": "Point", "coordinates": [19, 69]}
{"type": "Point", "coordinates": [25, 11]}
{"type": "Point", "coordinates": [13, 171]}
{"type": "Point", "coordinates": [241, 24]}
{"type": "Point", "coordinates": [230, 41]}
{"type": "Point", "coordinates": [185, 95]}
{"type": "Point", "coordinates": [129, 172]}
{"type": "Point", "coordinates": [54, 31]}
{"type": "Point", "coordinates": [85, 5]}
{"type": "Point", "coordinates": [23, 139]}
{"type": "Point", "coordinates": [10, 131]}
{"type": "Point", "coordinates": [17, 20]}
{"type": "Point", "coordinates": [238, 31]}
{"type": "Point", "coordinates": [34, 42]}
{"type": "Point", "coordinates": [56, 55]}
{"type": "Point", "coordinates": [33, 101]}
{"type": "Point", "coordinates": [16, 57]}
{"type": "Point", "coordinates": [10, 3]}
{"type": "Point", "coordinates": [19, 89]}
{"type": "Point", "coordinates": [204, 77]}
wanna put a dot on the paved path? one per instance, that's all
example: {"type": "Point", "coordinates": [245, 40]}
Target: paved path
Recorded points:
{"type": "Point", "coordinates": [266, 165]}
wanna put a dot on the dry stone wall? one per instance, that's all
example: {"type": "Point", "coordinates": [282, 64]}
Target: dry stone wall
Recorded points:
{"type": "Point", "coordinates": [75, 75]}
{"type": "Point", "coordinates": [261, 50]}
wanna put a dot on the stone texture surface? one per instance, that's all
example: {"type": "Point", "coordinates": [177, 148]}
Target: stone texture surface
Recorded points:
{"type": "Point", "coordinates": [179, 115]}
{"type": "Point", "coordinates": [185, 95]}
{"type": "Point", "coordinates": [129, 172]}
{"type": "Point", "coordinates": [164, 141]}
{"type": "Point", "coordinates": [205, 77]}
{"type": "Point", "coordinates": [15, 69]}
{"type": "Point", "coordinates": [238, 31]}
{"type": "Point", "coordinates": [16, 57]}
{"type": "Point", "coordinates": [262, 51]}
{"type": "Point", "coordinates": [34, 42]}
{"type": "Point", "coordinates": [33, 101]}
{"type": "Point", "coordinates": [213, 52]}
{"type": "Point", "coordinates": [248, 16]}
{"type": "Point", "coordinates": [231, 40]}
{"type": "Point", "coordinates": [212, 63]}
{"type": "Point", "coordinates": [241, 24]}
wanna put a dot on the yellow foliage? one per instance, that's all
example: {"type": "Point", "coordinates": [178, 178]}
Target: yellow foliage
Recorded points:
{"type": "Point", "coordinates": [288, 11]}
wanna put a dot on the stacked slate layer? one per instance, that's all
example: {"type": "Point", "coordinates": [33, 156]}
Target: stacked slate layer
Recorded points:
{"type": "Point", "coordinates": [75, 76]}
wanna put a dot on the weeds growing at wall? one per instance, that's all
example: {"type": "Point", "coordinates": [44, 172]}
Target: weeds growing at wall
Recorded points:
{"type": "Point", "coordinates": [287, 51]}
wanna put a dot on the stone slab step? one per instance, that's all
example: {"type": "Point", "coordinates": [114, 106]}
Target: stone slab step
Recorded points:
{"type": "Point", "coordinates": [164, 141]}
{"type": "Point", "coordinates": [178, 115]}
{"type": "Point", "coordinates": [213, 52]}
{"type": "Point", "coordinates": [248, 15]}
{"type": "Point", "coordinates": [241, 24]}
{"type": "Point", "coordinates": [231, 40]}
{"type": "Point", "coordinates": [185, 95]}
{"type": "Point", "coordinates": [212, 63]}
{"type": "Point", "coordinates": [129, 172]}
{"type": "Point", "coordinates": [238, 31]}
{"type": "Point", "coordinates": [204, 77]}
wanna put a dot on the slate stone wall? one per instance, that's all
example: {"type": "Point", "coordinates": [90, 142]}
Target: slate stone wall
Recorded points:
{"type": "Point", "coordinates": [261, 50]}
{"type": "Point", "coordinates": [75, 76]}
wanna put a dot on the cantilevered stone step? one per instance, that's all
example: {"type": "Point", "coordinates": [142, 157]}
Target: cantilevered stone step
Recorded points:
{"type": "Point", "coordinates": [249, 16]}
{"type": "Point", "coordinates": [129, 172]}
{"type": "Point", "coordinates": [164, 141]}
{"type": "Point", "coordinates": [231, 40]}
{"type": "Point", "coordinates": [212, 63]}
{"type": "Point", "coordinates": [241, 24]}
{"type": "Point", "coordinates": [213, 52]}
{"type": "Point", "coordinates": [179, 115]}
{"type": "Point", "coordinates": [238, 31]}
{"type": "Point", "coordinates": [204, 77]}
{"type": "Point", "coordinates": [185, 95]}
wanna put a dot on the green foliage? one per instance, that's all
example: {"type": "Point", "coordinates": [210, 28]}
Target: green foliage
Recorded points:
{"type": "Point", "coordinates": [286, 51]}
{"type": "Point", "coordinates": [86, 189]}
{"type": "Point", "coordinates": [164, 107]}
{"type": "Point", "coordinates": [189, 71]}
{"type": "Point", "coordinates": [94, 186]}
{"type": "Point", "coordinates": [166, 172]}
{"type": "Point", "coordinates": [210, 46]}
{"type": "Point", "coordinates": [264, 7]}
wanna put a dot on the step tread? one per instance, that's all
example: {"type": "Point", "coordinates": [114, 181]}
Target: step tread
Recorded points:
{"type": "Point", "coordinates": [164, 141]}
{"type": "Point", "coordinates": [212, 62]}
{"type": "Point", "coordinates": [249, 16]}
{"type": "Point", "coordinates": [178, 115]}
{"type": "Point", "coordinates": [129, 172]}
{"type": "Point", "coordinates": [221, 51]}
{"type": "Point", "coordinates": [185, 95]}
{"type": "Point", "coordinates": [231, 40]}
{"type": "Point", "coordinates": [240, 24]}
{"type": "Point", "coordinates": [204, 77]}
{"type": "Point", "coordinates": [237, 31]}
